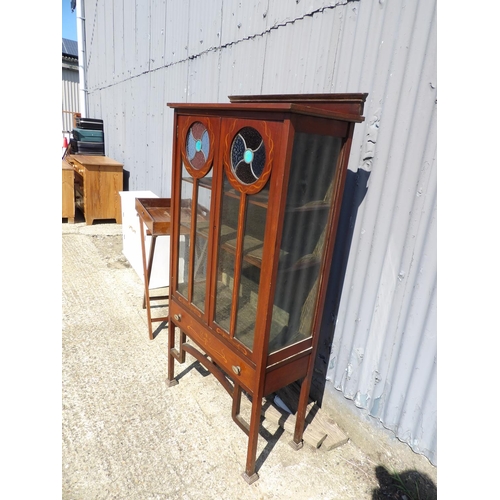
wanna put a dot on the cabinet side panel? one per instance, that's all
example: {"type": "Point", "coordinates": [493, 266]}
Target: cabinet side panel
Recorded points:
{"type": "Point", "coordinates": [311, 189]}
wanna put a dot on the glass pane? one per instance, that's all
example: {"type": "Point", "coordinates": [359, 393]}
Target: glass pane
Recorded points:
{"type": "Point", "coordinates": [197, 145]}
{"type": "Point", "coordinates": [201, 243]}
{"type": "Point", "coordinates": [310, 191]}
{"type": "Point", "coordinates": [225, 260]}
{"type": "Point", "coordinates": [185, 231]}
{"type": "Point", "coordinates": [253, 242]}
{"type": "Point", "coordinates": [248, 155]}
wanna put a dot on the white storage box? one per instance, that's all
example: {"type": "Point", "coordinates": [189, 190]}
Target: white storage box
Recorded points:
{"type": "Point", "coordinates": [132, 241]}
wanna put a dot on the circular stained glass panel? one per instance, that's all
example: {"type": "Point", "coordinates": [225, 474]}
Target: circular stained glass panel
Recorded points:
{"type": "Point", "coordinates": [248, 155]}
{"type": "Point", "coordinates": [197, 145]}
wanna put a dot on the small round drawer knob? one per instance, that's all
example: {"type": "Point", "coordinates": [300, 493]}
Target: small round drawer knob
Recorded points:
{"type": "Point", "coordinates": [177, 317]}
{"type": "Point", "coordinates": [236, 369]}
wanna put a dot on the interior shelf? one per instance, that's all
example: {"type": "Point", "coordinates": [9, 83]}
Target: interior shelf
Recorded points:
{"type": "Point", "coordinates": [205, 182]}
{"type": "Point", "coordinates": [312, 205]}
{"type": "Point", "coordinates": [259, 199]}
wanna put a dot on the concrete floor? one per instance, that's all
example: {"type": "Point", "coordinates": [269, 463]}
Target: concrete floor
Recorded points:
{"type": "Point", "coordinates": [126, 435]}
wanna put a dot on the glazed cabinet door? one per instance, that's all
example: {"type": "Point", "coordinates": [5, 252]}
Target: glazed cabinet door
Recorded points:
{"type": "Point", "coordinates": [193, 197]}
{"type": "Point", "coordinates": [248, 149]}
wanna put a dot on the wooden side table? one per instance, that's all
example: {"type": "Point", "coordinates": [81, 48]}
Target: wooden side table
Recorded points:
{"type": "Point", "coordinates": [68, 192]}
{"type": "Point", "coordinates": [98, 181]}
{"type": "Point", "coordinates": [155, 214]}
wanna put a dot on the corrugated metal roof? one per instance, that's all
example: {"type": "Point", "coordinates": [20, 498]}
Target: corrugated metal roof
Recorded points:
{"type": "Point", "coordinates": [69, 48]}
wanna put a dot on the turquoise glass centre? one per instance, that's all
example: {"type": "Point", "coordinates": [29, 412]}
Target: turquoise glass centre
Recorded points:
{"type": "Point", "coordinates": [248, 156]}
{"type": "Point", "coordinates": [198, 145]}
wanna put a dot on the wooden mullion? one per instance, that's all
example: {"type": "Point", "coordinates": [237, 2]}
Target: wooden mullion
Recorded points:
{"type": "Point", "coordinates": [215, 223]}
{"type": "Point", "coordinates": [194, 214]}
{"type": "Point", "coordinates": [238, 259]}
{"type": "Point", "coordinates": [210, 236]}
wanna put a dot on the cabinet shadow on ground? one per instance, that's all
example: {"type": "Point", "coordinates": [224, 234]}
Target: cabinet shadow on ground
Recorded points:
{"type": "Point", "coordinates": [407, 485]}
{"type": "Point", "coordinates": [195, 365]}
{"type": "Point", "coordinates": [270, 437]}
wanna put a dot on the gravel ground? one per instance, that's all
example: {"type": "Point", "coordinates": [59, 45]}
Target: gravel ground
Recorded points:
{"type": "Point", "coordinates": [126, 435]}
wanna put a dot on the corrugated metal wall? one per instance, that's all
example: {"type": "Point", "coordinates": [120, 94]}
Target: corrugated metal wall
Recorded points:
{"type": "Point", "coordinates": [143, 54]}
{"type": "Point", "coordinates": [70, 98]}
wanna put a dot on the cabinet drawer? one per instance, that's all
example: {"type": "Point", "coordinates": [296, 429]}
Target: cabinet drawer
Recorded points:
{"type": "Point", "coordinates": [231, 363]}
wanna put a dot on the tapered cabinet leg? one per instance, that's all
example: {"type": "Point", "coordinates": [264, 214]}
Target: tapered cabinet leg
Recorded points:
{"type": "Point", "coordinates": [250, 476]}
{"type": "Point", "coordinates": [297, 442]}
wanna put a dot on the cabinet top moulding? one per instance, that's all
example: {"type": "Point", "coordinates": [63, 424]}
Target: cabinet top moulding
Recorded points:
{"type": "Point", "coordinates": [320, 105]}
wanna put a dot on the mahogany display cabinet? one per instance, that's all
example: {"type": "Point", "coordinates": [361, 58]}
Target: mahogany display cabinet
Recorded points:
{"type": "Point", "coordinates": [256, 193]}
